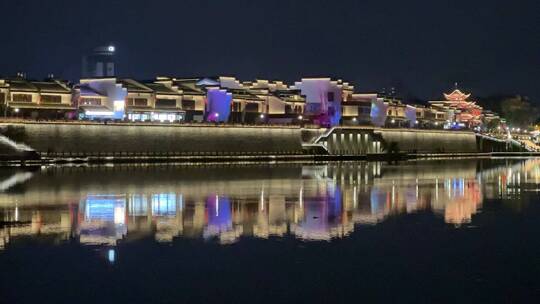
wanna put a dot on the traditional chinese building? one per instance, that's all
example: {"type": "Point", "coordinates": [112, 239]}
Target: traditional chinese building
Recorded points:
{"type": "Point", "coordinates": [461, 112]}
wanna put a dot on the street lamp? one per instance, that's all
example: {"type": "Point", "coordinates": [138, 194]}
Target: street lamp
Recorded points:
{"type": "Point", "coordinates": [300, 117]}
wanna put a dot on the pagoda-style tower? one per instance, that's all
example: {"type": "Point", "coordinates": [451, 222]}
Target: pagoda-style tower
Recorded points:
{"type": "Point", "coordinates": [456, 95]}
{"type": "Point", "coordinates": [461, 112]}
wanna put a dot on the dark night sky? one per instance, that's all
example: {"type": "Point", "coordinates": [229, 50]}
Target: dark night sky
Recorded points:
{"type": "Point", "coordinates": [420, 47]}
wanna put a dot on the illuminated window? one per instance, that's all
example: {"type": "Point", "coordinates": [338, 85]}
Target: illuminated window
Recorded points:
{"type": "Point", "coordinates": [188, 104]}
{"type": "Point", "coordinates": [51, 99]}
{"type": "Point", "coordinates": [21, 98]}
{"type": "Point", "coordinates": [252, 107]}
{"type": "Point", "coordinates": [236, 107]}
{"type": "Point", "coordinates": [140, 102]}
{"type": "Point", "coordinates": [166, 103]}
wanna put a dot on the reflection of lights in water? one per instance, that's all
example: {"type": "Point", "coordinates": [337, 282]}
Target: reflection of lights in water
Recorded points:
{"type": "Point", "coordinates": [393, 192]}
{"type": "Point", "coordinates": [366, 177]}
{"type": "Point", "coordinates": [217, 206]}
{"type": "Point", "coordinates": [261, 201]}
{"type": "Point", "coordinates": [17, 178]}
{"type": "Point", "coordinates": [436, 189]}
{"type": "Point", "coordinates": [301, 197]}
{"type": "Point", "coordinates": [323, 209]}
{"type": "Point", "coordinates": [164, 204]}
{"type": "Point", "coordinates": [355, 197]}
{"type": "Point", "coordinates": [104, 219]}
{"type": "Point", "coordinates": [111, 256]}
{"type": "Point", "coordinates": [416, 188]}
{"type": "Point", "coordinates": [119, 215]}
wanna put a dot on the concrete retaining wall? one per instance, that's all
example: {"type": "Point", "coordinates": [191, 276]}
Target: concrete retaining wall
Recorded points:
{"type": "Point", "coordinates": [91, 139]}
{"type": "Point", "coordinates": [430, 141]}
{"type": "Point", "coordinates": [95, 138]}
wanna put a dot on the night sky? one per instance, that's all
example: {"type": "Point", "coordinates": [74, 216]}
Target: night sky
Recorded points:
{"type": "Point", "coordinates": [419, 47]}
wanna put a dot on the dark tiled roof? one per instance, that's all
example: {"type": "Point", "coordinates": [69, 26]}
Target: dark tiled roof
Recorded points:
{"type": "Point", "coordinates": [289, 95]}
{"type": "Point", "coordinates": [135, 86]}
{"type": "Point", "coordinates": [162, 89]}
{"type": "Point", "coordinates": [22, 85]}
{"type": "Point", "coordinates": [189, 88]}
{"type": "Point", "coordinates": [244, 94]}
{"type": "Point", "coordinates": [51, 87]}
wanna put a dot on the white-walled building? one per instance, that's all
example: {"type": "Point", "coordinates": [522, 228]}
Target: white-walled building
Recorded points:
{"type": "Point", "coordinates": [50, 98]}
{"type": "Point", "coordinates": [101, 98]}
{"type": "Point", "coordinates": [324, 98]}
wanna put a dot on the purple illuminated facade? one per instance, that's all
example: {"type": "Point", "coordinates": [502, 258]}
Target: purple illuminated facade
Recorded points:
{"type": "Point", "coordinates": [219, 105]}
{"type": "Point", "coordinates": [323, 99]}
{"type": "Point", "coordinates": [219, 211]}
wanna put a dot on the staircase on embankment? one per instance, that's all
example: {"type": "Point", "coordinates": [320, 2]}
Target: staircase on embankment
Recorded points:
{"type": "Point", "coordinates": [364, 141]}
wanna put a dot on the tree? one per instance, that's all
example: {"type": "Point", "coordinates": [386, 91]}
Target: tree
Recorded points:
{"type": "Point", "coordinates": [519, 111]}
{"type": "Point", "coordinates": [493, 124]}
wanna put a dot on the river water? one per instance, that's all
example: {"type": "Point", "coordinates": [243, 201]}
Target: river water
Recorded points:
{"type": "Point", "coordinates": [429, 231]}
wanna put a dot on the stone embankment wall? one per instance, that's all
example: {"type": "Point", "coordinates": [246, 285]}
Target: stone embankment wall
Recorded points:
{"type": "Point", "coordinates": [429, 141]}
{"type": "Point", "coordinates": [149, 139]}
{"type": "Point", "coordinates": [91, 139]}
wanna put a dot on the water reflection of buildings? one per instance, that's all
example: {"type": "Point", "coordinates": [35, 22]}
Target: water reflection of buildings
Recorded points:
{"type": "Point", "coordinates": [315, 202]}
{"type": "Point", "coordinates": [103, 220]}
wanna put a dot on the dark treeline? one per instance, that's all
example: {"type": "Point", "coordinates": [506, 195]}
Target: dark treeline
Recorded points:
{"type": "Point", "coordinates": [518, 110]}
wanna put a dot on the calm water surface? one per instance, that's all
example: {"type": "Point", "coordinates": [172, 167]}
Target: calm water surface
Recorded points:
{"type": "Point", "coordinates": [461, 230]}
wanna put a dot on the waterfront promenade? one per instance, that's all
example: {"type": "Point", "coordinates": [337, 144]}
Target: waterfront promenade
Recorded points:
{"type": "Point", "coordinates": [93, 142]}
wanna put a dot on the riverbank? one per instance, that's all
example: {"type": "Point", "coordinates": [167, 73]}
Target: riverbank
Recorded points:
{"type": "Point", "coordinates": [239, 159]}
{"type": "Point", "coordinates": [51, 143]}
